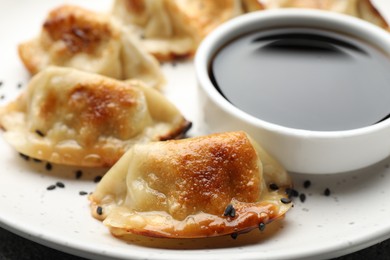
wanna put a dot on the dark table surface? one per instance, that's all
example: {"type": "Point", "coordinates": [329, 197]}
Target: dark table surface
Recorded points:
{"type": "Point", "coordinates": [13, 247]}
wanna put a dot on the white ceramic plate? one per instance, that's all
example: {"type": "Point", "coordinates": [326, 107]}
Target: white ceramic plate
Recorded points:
{"type": "Point", "coordinates": [354, 216]}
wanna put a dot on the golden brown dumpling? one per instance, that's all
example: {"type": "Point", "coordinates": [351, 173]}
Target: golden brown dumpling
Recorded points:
{"type": "Point", "coordinates": [174, 28]}
{"type": "Point", "coordinates": [67, 116]}
{"type": "Point", "coordinates": [363, 9]}
{"type": "Point", "coordinates": [74, 37]}
{"type": "Point", "coordinates": [198, 187]}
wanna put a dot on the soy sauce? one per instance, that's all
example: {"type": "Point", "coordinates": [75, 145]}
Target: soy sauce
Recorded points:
{"type": "Point", "coordinates": [305, 79]}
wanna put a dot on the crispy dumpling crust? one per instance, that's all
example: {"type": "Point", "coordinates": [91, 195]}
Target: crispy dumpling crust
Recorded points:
{"type": "Point", "coordinates": [78, 29]}
{"type": "Point", "coordinates": [75, 37]}
{"type": "Point", "coordinates": [181, 188]}
{"type": "Point", "coordinates": [67, 116]}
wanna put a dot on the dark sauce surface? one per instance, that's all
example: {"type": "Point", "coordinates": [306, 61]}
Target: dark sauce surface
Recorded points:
{"type": "Point", "coordinates": [305, 79]}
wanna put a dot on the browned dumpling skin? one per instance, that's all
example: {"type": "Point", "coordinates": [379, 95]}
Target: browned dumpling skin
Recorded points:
{"type": "Point", "coordinates": [67, 116]}
{"type": "Point", "coordinates": [364, 9]}
{"type": "Point", "coordinates": [174, 28]}
{"type": "Point", "coordinates": [75, 37]}
{"type": "Point", "coordinates": [185, 188]}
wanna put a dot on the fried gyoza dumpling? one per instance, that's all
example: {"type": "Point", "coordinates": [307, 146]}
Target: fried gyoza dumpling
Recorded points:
{"type": "Point", "coordinates": [174, 28]}
{"type": "Point", "coordinates": [67, 116]}
{"type": "Point", "coordinates": [363, 9]}
{"type": "Point", "coordinates": [75, 37]}
{"type": "Point", "coordinates": [198, 187]}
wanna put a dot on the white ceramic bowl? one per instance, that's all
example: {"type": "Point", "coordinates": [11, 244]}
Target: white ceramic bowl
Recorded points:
{"type": "Point", "coordinates": [303, 151]}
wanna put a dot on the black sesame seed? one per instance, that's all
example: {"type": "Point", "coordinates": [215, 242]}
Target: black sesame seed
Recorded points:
{"type": "Point", "coordinates": [306, 184]}
{"type": "Point", "coordinates": [60, 184]}
{"type": "Point", "coordinates": [292, 193]}
{"type": "Point", "coordinates": [26, 157]}
{"type": "Point", "coordinates": [1, 83]}
{"type": "Point", "coordinates": [79, 173]}
{"type": "Point", "coordinates": [234, 235]}
{"type": "Point", "coordinates": [228, 210]}
{"type": "Point", "coordinates": [37, 160]}
{"type": "Point", "coordinates": [39, 132]}
{"type": "Point", "coordinates": [327, 192]}
{"type": "Point", "coordinates": [2, 97]}
{"type": "Point", "coordinates": [174, 64]}
{"type": "Point", "coordinates": [97, 179]}
{"type": "Point", "coordinates": [48, 166]}
{"type": "Point", "coordinates": [273, 186]}
{"type": "Point", "coordinates": [51, 187]}
{"type": "Point", "coordinates": [285, 200]}
{"type": "Point", "coordinates": [82, 193]}
{"type": "Point", "coordinates": [261, 226]}
{"type": "Point", "coordinates": [302, 197]}
{"type": "Point", "coordinates": [20, 85]}
{"type": "Point", "coordinates": [232, 212]}
{"type": "Point", "coordinates": [99, 210]}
